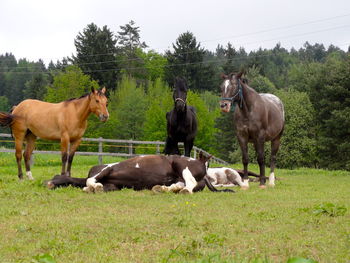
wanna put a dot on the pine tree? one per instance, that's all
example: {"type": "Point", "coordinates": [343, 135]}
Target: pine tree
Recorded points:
{"type": "Point", "coordinates": [96, 55]}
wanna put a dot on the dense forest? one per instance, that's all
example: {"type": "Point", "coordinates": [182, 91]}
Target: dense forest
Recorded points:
{"type": "Point", "coordinates": [313, 82]}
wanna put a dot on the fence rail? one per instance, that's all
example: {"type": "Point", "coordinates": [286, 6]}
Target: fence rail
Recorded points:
{"type": "Point", "coordinates": [130, 144]}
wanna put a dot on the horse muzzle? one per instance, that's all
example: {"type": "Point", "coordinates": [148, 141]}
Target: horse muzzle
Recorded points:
{"type": "Point", "coordinates": [225, 106]}
{"type": "Point", "coordinates": [180, 106]}
{"type": "Point", "coordinates": [103, 117]}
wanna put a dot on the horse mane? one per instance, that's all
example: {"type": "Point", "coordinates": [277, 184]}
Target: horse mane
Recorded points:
{"type": "Point", "coordinates": [82, 96]}
{"type": "Point", "coordinates": [99, 92]}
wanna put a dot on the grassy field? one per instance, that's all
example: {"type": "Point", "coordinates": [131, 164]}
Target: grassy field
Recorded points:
{"type": "Point", "coordinates": [306, 215]}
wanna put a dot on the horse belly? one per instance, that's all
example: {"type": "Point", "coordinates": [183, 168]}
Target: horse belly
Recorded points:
{"type": "Point", "coordinates": [144, 172]}
{"type": "Point", "coordinates": [39, 118]}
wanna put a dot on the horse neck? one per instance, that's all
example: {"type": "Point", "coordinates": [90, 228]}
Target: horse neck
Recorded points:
{"type": "Point", "coordinates": [249, 97]}
{"type": "Point", "coordinates": [179, 115]}
{"type": "Point", "coordinates": [82, 106]}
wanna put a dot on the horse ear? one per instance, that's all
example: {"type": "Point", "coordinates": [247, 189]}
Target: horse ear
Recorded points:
{"type": "Point", "coordinates": [103, 90]}
{"type": "Point", "coordinates": [200, 155]}
{"type": "Point", "coordinates": [93, 90]}
{"type": "Point", "coordinates": [239, 75]}
{"type": "Point", "coordinates": [223, 76]}
{"type": "Point", "coordinates": [203, 158]}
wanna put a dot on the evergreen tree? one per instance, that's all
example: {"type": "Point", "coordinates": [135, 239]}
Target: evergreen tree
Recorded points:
{"type": "Point", "coordinates": [187, 61]}
{"type": "Point", "coordinates": [96, 55]}
{"type": "Point", "coordinates": [130, 51]}
{"type": "Point", "coordinates": [69, 84]}
{"type": "Point", "coordinates": [330, 95]}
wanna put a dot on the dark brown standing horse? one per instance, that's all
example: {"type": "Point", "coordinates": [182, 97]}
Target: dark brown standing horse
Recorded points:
{"type": "Point", "coordinates": [258, 118]}
{"type": "Point", "coordinates": [65, 121]}
{"type": "Point", "coordinates": [181, 121]}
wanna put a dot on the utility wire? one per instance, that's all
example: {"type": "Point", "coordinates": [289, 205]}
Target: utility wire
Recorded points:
{"type": "Point", "coordinates": [214, 61]}
{"type": "Point", "coordinates": [229, 37]}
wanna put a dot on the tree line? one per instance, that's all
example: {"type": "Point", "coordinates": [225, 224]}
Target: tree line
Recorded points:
{"type": "Point", "coordinates": [313, 82]}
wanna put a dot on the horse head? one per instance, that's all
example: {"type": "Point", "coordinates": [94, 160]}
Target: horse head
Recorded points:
{"type": "Point", "coordinates": [204, 159]}
{"type": "Point", "coordinates": [180, 94]}
{"type": "Point", "coordinates": [230, 90]}
{"type": "Point", "coordinates": [98, 103]}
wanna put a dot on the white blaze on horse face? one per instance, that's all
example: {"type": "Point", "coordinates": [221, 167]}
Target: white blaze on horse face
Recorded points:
{"type": "Point", "coordinates": [190, 181]}
{"type": "Point", "coordinates": [226, 84]}
{"type": "Point", "coordinates": [272, 179]}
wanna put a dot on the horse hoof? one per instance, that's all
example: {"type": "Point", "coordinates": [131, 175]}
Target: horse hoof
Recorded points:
{"type": "Point", "coordinates": [88, 189]}
{"type": "Point", "coordinates": [262, 186]}
{"type": "Point", "coordinates": [50, 185]}
{"type": "Point", "coordinates": [98, 188]}
{"type": "Point", "coordinates": [184, 191]}
{"type": "Point", "coordinates": [157, 189]}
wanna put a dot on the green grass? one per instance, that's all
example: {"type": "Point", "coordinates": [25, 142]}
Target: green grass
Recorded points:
{"type": "Point", "coordinates": [306, 215]}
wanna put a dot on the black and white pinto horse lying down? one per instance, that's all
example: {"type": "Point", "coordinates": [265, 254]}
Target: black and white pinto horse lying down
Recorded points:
{"type": "Point", "coordinates": [227, 177]}
{"type": "Point", "coordinates": [160, 173]}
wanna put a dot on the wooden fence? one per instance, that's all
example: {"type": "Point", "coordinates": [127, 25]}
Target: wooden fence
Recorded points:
{"type": "Point", "coordinates": [129, 144]}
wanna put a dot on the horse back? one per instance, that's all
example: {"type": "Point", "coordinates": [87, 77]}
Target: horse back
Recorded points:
{"type": "Point", "coordinates": [45, 120]}
{"type": "Point", "coordinates": [275, 113]}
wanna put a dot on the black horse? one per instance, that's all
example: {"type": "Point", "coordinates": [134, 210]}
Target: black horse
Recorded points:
{"type": "Point", "coordinates": [181, 121]}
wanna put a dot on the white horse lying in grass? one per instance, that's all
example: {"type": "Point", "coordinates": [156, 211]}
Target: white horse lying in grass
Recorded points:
{"type": "Point", "coordinates": [227, 177]}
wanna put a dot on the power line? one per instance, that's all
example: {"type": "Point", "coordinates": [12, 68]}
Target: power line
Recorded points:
{"type": "Point", "coordinates": [278, 28]}
{"type": "Point", "coordinates": [215, 61]}
{"type": "Point", "coordinates": [229, 37]}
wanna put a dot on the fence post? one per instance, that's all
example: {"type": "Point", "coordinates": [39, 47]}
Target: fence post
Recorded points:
{"type": "Point", "coordinates": [158, 150]}
{"type": "Point", "coordinates": [130, 148]}
{"type": "Point", "coordinates": [100, 150]}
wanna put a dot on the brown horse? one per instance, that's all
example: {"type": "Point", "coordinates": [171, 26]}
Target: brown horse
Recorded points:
{"type": "Point", "coordinates": [258, 118]}
{"type": "Point", "coordinates": [65, 121]}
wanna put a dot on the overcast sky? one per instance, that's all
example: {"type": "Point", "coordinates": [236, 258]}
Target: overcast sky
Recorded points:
{"type": "Point", "coordinates": [45, 29]}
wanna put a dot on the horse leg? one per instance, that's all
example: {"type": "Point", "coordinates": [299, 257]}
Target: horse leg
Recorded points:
{"type": "Point", "coordinates": [30, 139]}
{"type": "Point", "coordinates": [64, 152]}
{"type": "Point", "coordinates": [18, 154]}
{"type": "Point", "coordinates": [171, 146]}
{"type": "Point", "coordinates": [73, 147]}
{"type": "Point", "coordinates": [259, 148]}
{"type": "Point", "coordinates": [188, 147]}
{"type": "Point", "coordinates": [243, 143]}
{"type": "Point", "coordinates": [275, 144]}
{"type": "Point", "coordinates": [172, 188]}
{"type": "Point", "coordinates": [92, 185]}
{"type": "Point", "coordinates": [190, 182]}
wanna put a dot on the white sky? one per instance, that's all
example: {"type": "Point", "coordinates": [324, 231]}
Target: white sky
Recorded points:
{"type": "Point", "coordinates": [46, 29]}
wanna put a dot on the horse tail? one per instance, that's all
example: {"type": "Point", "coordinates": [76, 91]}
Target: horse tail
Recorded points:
{"type": "Point", "coordinates": [6, 119]}
{"type": "Point", "coordinates": [213, 189]}
{"type": "Point", "coordinates": [241, 173]}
